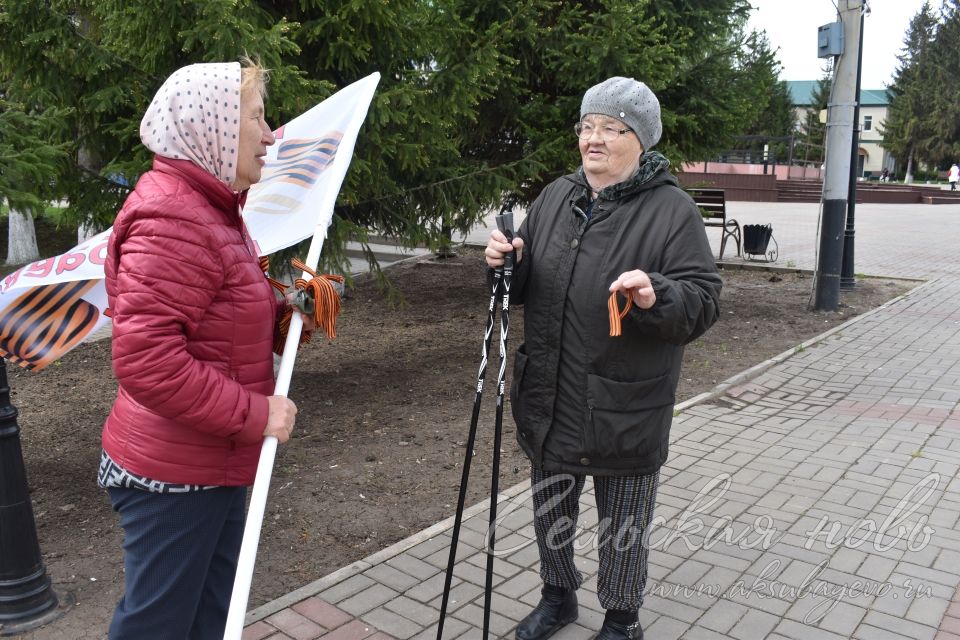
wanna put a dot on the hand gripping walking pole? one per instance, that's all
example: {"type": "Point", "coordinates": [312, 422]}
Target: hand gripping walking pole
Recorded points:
{"type": "Point", "coordinates": [505, 224]}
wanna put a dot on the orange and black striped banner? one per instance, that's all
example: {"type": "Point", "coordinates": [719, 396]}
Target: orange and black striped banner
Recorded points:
{"type": "Point", "coordinates": [45, 322]}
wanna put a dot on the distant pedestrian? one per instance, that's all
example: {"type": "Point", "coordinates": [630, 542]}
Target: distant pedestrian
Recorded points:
{"type": "Point", "coordinates": [885, 175]}
{"type": "Point", "coordinates": [953, 176]}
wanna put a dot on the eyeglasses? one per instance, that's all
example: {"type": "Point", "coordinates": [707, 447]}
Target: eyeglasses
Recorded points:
{"type": "Point", "coordinates": [608, 133]}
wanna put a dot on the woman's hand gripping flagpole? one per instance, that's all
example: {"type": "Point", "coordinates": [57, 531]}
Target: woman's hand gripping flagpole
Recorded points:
{"type": "Point", "coordinates": [261, 485]}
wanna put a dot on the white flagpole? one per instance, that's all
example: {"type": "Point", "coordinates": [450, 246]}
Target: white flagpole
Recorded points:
{"type": "Point", "coordinates": [261, 485]}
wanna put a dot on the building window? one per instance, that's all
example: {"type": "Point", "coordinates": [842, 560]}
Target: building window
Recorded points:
{"type": "Point", "coordinates": [867, 123]}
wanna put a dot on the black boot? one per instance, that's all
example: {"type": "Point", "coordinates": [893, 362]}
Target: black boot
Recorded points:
{"type": "Point", "coordinates": [557, 608]}
{"type": "Point", "coordinates": [620, 625]}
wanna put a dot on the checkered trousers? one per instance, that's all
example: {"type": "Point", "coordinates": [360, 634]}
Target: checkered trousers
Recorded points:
{"type": "Point", "coordinates": [625, 506]}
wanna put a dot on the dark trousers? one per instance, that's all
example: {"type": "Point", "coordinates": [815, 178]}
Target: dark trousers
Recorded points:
{"type": "Point", "coordinates": [180, 556]}
{"type": "Point", "coordinates": [625, 506]}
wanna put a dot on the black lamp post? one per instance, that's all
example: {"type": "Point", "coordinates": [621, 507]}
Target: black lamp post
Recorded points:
{"type": "Point", "coordinates": [847, 278]}
{"type": "Point", "coordinates": [27, 599]}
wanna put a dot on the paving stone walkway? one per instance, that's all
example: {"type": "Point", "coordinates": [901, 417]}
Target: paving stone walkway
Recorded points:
{"type": "Point", "coordinates": [814, 497]}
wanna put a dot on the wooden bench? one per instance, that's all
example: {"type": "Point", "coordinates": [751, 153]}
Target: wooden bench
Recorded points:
{"type": "Point", "coordinates": [713, 206]}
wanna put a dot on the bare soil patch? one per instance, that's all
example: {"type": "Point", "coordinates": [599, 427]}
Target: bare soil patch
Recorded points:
{"type": "Point", "coordinates": [384, 415]}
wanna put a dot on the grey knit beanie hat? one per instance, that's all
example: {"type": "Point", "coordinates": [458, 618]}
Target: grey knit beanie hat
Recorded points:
{"type": "Point", "coordinates": [629, 101]}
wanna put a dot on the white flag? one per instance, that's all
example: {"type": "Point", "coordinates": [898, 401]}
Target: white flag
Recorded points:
{"type": "Point", "coordinates": [50, 306]}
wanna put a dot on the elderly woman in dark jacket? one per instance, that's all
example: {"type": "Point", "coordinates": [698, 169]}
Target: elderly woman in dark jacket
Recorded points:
{"type": "Point", "coordinates": [585, 402]}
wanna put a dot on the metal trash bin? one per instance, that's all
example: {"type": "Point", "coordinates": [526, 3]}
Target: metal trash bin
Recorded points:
{"type": "Point", "coordinates": [756, 240]}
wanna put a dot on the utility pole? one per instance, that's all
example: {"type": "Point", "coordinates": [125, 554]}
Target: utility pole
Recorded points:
{"type": "Point", "coordinates": [847, 278]}
{"type": "Point", "coordinates": [840, 124]}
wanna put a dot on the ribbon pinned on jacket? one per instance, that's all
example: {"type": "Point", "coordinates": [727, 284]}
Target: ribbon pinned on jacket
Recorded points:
{"type": "Point", "coordinates": [615, 314]}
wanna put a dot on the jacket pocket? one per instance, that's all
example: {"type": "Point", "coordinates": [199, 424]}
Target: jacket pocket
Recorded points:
{"type": "Point", "coordinates": [625, 417]}
{"type": "Point", "coordinates": [516, 397]}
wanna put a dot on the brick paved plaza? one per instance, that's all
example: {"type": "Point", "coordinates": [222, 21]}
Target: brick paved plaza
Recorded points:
{"type": "Point", "coordinates": [814, 497]}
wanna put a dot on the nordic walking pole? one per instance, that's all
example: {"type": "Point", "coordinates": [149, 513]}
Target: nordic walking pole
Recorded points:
{"type": "Point", "coordinates": [471, 439]}
{"type": "Point", "coordinates": [505, 224]}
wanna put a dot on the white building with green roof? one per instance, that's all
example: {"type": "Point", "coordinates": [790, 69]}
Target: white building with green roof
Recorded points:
{"type": "Point", "coordinates": [873, 110]}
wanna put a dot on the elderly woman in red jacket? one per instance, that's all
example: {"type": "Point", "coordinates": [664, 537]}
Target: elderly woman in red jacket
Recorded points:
{"type": "Point", "coordinates": [193, 331]}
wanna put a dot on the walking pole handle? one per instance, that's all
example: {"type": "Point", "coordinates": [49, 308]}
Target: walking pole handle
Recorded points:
{"type": "Point", "coordinates": [505, 225]}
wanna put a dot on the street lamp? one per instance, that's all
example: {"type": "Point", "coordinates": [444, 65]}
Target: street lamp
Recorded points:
{"type": "Point", "coordinates": [27, 599]}
{"type": "Point", "coordinates": [847, 278]}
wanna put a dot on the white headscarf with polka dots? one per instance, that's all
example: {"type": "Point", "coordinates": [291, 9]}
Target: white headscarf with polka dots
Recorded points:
{"type": "Point", "coordinates": [196, 116]}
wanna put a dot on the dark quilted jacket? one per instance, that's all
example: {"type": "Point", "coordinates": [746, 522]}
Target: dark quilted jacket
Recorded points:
{"type": "Point", "coordinates": [584, 402]}
{"type": "Point", "coordinates": [193, 327]}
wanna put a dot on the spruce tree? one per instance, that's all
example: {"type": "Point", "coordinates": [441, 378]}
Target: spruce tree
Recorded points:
{"type": "Point", "coordinates": [476, 98]}
{"type": "Point", "coordinates": [28, 160]}
{"type": "Point", "coordinates": [775, 117]}
{"type": "Point", "coordinates": [29, 163]}
{"type": "Point", "coordinates": [942, 67]}
{"type": "Point", "coordinates": [98, 63]}
{"type": "Point", "coordinates": [908, 130]}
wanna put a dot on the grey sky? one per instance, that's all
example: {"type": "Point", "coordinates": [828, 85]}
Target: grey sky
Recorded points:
{"type": "Point", "coordinates": [792, 26]}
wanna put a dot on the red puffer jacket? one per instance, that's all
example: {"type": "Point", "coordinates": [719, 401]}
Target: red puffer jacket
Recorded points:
{"type": "Point", "coordinates": [193, 327]}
